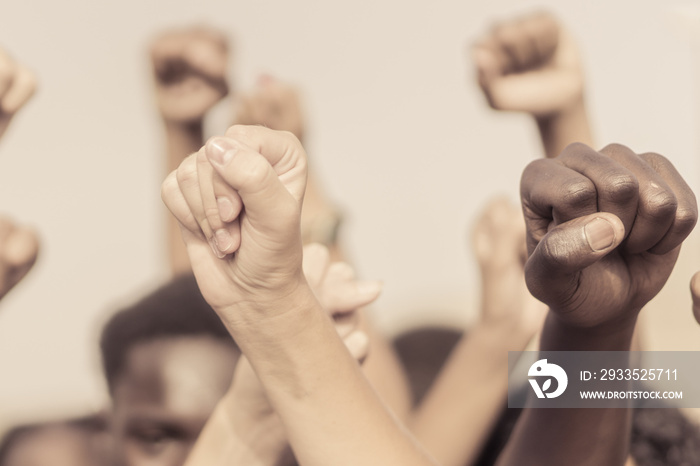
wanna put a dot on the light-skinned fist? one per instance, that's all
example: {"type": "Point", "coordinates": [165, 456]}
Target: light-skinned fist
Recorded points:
{"type": "Point", "coordinates": [529, 64]}
{"type": "Point", "coordinates": [189, 67]}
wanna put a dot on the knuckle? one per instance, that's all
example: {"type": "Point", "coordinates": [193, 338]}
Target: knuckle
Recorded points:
{"type": "Point", "coordinates": [576, 149]}
{"type": "Point", "coordinates": [211, 212]}
{"type": "Point", "coordinates": [661, 204]}
{"type": "Point", "coordinates": [655, 160]}
{"type": "Point", "coordinates": [537, 165]}
{"type": "Point", "coordinates": [686, 218]}
{"type": "Point", "coordinates": [239, 132]}
{"type": "Point", "coordinates": [186, 174]}
{"type": "Point", "coordinates": [621, 187]}
{"type": "Point", "coordinates": [168, 187]}
{"type": "Point", "coordinates": [615, 149]}
{"type": "Point", "coordinates": [292, 138]}
{"type": "Point", "coordinates": [578, 193]}
{"type": "Point", "coordinates": [550, 252]}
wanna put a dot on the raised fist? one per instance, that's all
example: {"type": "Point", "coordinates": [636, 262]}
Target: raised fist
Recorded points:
{"type": "Point", "coordinates": [529, 64]}
{"type": "Point", "coordinates": [190, 73]}
{"type": "Point", "coordinates": [604, 230]}
{"type": "Point", "coordinates": [498, 241]}
{"type": "Point", "coordinates": [242, 194]}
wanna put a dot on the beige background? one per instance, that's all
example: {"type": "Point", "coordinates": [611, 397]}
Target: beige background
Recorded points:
{"type": "Point", "coordinates": [398, 132]}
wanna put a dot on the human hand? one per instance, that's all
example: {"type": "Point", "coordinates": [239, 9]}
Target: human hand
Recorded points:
{"type": "Point", "coordinates": [498, 242]}
{"type": "Point", "coordinates": [272, 104]}
{"type": "Point", "coordinates": [17, 86]}
{"type": "Point", "coordinates": [242, 194]}
{"type": "Point", "coordinates": [529, 64]}
{"type": "Point", "coordinates": [189, 67]}
{"type": "Point", "coordinates": [246, 410]}
{"type": "Point", "coordinates": [604, 231]}
{"type": "Point", "coordinates": [19, 247]}
{"type": "Point", "coordinates": [340, 295]}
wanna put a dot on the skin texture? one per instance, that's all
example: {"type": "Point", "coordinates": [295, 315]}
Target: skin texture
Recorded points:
{"type": "Point", "coordinates": [461, 407]}
{"type": "Point", "coordinates": [604, 230]}
{"type": "Point", "coordinates": [168, 390]}
{"type": "Point", "coordinates": [276, 105]}
{"type": "Point", "coordinates": [244, 428]}
{"type": "Point", "coordinates": [263, 298]}
{"type": "Point", "coordinates": [531, 64]}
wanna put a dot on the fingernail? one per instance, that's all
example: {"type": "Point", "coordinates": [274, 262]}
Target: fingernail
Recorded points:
{"type": "Point", "coordinates": [219, 151]}
{"type": "Point", "coordinates": [369, 287]}
{"type": "Point", "coordinates": [226, 211]}
{"type": "Point", "coordinates": [223, 239]}
{"type": "Point", "coordinates": [215, 249]}
{"type": "Point", "coordinates": [600, 234]}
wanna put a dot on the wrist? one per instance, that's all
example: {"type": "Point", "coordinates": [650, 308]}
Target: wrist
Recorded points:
{"type": "Point", "coordinates": [271, 317]}
{"type": "Point", "coordinates": [575, 106]}
{"type": "Point", "coordinates": [560, 335]}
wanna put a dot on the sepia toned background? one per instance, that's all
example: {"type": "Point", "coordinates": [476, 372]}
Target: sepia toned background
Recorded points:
{"type": "Point", "coordinates": [397, 131]}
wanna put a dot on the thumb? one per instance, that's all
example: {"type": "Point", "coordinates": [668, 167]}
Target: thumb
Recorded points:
{"type": "Point", "coordinates": [266, 200]}
{"type": "Point", "coordinates": [568, 249]}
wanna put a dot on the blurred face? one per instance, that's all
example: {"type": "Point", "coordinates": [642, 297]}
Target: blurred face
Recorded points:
{"type": "Point", "coordinates": [165, 395]}
{"type": "Point", "coordinates": [52, 446]}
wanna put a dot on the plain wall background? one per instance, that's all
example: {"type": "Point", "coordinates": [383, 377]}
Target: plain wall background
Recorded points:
{"type": "Point", "coordinates": [397, 131]}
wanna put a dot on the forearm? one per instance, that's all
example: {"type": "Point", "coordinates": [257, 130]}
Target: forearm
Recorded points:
{"type": "Point", "coordinates": [384, 371]}
{"type": "Point", "coordinates": [573, 436]}
{"type": "Point", "coordinates": [463, 405]}
{"type": "Point", "coordinates": [235, 435]}
{"type": "Point", "coordinates": [330, 412]}
{"type": "Point", "coordinates": [565, 127]}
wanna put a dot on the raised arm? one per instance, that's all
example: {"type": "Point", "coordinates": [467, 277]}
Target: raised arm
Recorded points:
{"type": "Point", "coordinates": [244, 428]}
{"type": "Point", "coordinates": [604, 231]}
{"type": "Point", "coordinates": [189, 70]}
{"type": "Point", "coordinates": [278, 105]}
{"type": "Point", "coordinates": [465, 401]}
{"type": "Point", "coordinates": [530, 64]}
{"type": "Point", "coordinates": [251, 275]}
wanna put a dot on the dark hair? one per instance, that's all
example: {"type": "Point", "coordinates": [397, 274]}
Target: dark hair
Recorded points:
{"type": "Point", "coordinates": [175, 309]}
